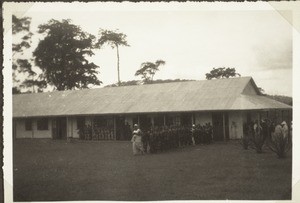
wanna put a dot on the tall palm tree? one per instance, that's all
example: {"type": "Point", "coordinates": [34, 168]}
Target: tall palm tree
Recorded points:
{"type": "Point", "coordinates": [148, 70]}
{"type": "Point", "coordinates": [114, 39]}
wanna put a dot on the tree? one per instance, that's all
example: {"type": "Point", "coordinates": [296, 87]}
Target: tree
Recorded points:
{"type": "Point", "coordinates": [62, 56]}
{"type": "Point", "coordinates": [22, 40]}
{"type": "Point", "coordinates": [138, 82]}
{"type": "Point", "coordinates": [125, 83]}
{"type": "Point", "coordinates": [114, 39]}
{"type": "Point", "coordinates": [221, 73]}
{"type": "Point", "coordinates": [283, 99]}
{"type": "Point", "coordinates": [148, 70]}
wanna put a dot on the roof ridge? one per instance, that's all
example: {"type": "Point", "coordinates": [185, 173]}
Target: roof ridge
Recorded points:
{"type": "Point", "coordinates": [126, 86]}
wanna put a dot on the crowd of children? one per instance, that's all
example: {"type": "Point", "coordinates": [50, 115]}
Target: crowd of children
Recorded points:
{"type": "Point", "coordinates": [157, 138]}
{"type": "Point", "coordinates": [96, 133]}
{"type": "Point", "coordinates": [163, 138]}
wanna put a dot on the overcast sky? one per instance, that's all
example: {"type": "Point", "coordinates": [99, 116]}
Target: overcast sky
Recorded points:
{"type": "Point", "coordinates": [257, 43]}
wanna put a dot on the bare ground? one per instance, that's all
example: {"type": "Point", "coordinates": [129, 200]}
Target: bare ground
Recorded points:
{"type": "Point", "coordinates": [47, 170]}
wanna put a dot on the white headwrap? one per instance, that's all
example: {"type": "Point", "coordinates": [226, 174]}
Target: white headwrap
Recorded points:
{"type": "Point", "coordinates": [283, 123]}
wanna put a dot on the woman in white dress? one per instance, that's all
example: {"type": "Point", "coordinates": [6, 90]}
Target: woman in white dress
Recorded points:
{"type": "Point", "coordinates": [137, 144]}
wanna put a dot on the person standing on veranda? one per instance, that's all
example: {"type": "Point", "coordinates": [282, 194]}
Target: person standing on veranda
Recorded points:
{"type": "Point", "coordinates": [137, 144]}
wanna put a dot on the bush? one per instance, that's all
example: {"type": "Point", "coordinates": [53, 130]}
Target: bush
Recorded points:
{"type": "Point", "coordinates": [258, 140]}
{"type": "Point", "coordinates": [254, 137]}
{"type": "Point", "coordinates": [279, 143]}
{"type": "Point", "coordinates": [245, 141]}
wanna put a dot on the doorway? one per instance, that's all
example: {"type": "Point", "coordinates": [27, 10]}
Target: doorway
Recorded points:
{"type": "Point", "coordinates": [120, 128]}
{"type": "Point", "coordinates": [59, 128]}
{"type": "Point", "coordinates": [226, 126]}
{"type": "Point", "coordinates": [186, 119]}
{"type": "Point", "coordinates": [145, 123]}
{"type": "Point", "coordinates": [218, 130]}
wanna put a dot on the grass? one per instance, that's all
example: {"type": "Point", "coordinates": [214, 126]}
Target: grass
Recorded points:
{"type": "Point", "coordinates": [46, 170]}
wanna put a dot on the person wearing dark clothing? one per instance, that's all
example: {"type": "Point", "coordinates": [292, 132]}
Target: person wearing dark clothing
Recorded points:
{"type": "Point", "coordinates": [145, 140]}
{"type": "Point", "coordinates": [128, 131]}
{"type": "Point", "coordinates": [209, 130]}
{"type": "Point", "coordinates": [152, 141]}
{"type": "Point", "coordinates": [264, 129]}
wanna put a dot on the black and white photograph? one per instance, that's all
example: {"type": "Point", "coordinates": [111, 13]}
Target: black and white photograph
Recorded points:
{"type": "Point", "coordinates": [150, 101]}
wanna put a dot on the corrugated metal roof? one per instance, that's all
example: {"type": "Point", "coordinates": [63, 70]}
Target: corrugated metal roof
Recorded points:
{"type": "Point", "coordinates": [255, 102]}
{"type": "Point", "coordinates": [205, 95]}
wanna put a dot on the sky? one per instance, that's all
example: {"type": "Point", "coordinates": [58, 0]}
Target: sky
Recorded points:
{"type": "Point", "coordinates": [192, 41]}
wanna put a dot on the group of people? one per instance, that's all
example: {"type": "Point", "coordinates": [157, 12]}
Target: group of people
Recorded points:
{"type": "Point", "coordinates": [202, 134]}
{"type": "Point", "coordinates": [96, 133]}
{"type": "Point", "coordinates": [268, 129]}
{"type": "Point", "coordinates": [162, 138]}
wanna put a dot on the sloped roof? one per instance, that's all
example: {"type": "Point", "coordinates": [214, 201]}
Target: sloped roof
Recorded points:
{"type": "Point", "coordinates": [255, 102]}
{"type": "Point", "coordinates": [205, 95]}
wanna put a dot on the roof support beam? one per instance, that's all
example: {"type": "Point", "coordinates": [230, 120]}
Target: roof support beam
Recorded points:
{"type": "Point", "coordinates": [92, 122]}
{"type": "Point", "coordinates": [115, 128]}
{"type": "Point", "coordinates": [32, 128]}
{"type": "Point", "coordinates": [224, 130]}
{"type": "Point", "coordinates": [152, 121]}
{"type": "Point", "coordinates": [67, 129]}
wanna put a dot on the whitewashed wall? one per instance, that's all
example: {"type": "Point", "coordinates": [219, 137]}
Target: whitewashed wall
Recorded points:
{"type": "Point", "coordinates": [20, 129]}
{"type": "Point", "coordinates": [202, 118]}
{"type": "Point", "coordinates": [235, 124]}
{"type": "Point", "coordinates": [35, 133]}
{"type": "Point", "coordinates": [43, 133]}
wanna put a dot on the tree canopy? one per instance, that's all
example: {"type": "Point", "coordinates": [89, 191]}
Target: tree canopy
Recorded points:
{"type": "Point", "coordinates": [221, 73]}
{"type": "Point", "coordinates": [124, 83]}
{"type": "Point", "coordinates": [281, 98]}
{"type": "Point", "coordinates": [62, 56]}
{"type": "Point", "coordinates": [21, 42]}
{"type": "Point", "coordinates": [20, 24]}
{"type": "Point", "coordinates": [137, 82]}
{"type": "Point", "coordinates": [114, 39]}
{"type": "Point", "coordinates": [148, 70]}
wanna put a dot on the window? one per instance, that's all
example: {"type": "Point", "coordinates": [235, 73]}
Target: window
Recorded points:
{"type": "Point", "coordinates": [80, 122]}
{"type": "Point", "coordinates": [272, 115]}
{"type": "Point", "coordinates": [176, 120]}
{"type": "Point", "coordinates": [159, 120]}
{"type": "Point", "coordinates": [42, 124]}
{"type": "Point", "coordinates": [135, 120]}
{"type": "Point", "coordinates": [248, 117]}
{"type": "Point", "coordinates": [100, 121]}
{"type": "Point", "coordinates": [169, 120]}
{"type": "Point", "coordinates": [186, 119]}
{"type": "Point", "coordinates": [263, 114]}
{"type": "Point", "coordinates": [28, 124]}
{"type": "Point", "coordinates": [110, 122]}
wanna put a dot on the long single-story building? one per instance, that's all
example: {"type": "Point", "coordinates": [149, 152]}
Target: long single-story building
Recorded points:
{"type": "Point", "coordinates": [224, 103]}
